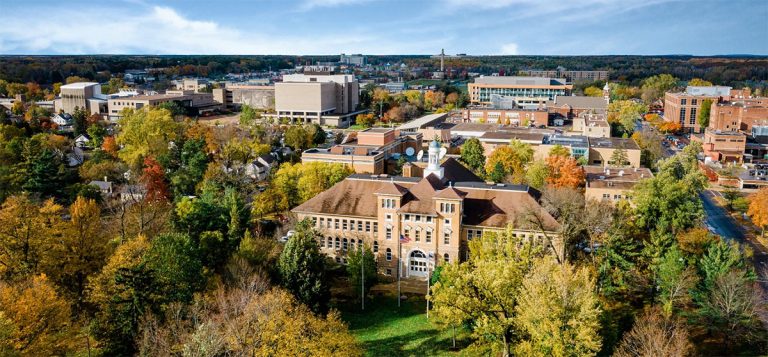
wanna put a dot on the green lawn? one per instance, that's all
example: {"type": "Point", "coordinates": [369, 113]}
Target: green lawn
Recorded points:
{"type": "Point", "coordinates": [386, 330]}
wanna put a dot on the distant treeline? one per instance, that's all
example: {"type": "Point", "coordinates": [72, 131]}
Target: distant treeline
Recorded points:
{"type": "Point", "coordinates": [725, 70]}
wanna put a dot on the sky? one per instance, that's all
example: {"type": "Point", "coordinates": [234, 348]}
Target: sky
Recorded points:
{"type": "Point", "coordinates": [305, 27]}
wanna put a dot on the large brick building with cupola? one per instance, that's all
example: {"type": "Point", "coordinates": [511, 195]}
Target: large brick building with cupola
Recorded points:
{"type": "Point", "coordinates": [438, 208]}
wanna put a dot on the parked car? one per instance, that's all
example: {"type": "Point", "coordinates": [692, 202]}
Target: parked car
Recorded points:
{"type": "Point", "coordinates": [287, 236]}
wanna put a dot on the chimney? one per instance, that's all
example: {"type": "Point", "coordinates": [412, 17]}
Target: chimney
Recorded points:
{"type": "Point", "coordinates": [621, 173]}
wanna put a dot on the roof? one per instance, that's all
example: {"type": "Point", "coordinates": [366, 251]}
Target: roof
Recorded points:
{"type": "Point", "coordinates": [579, 102]}
{"type": "Point", "coordinates": [628, 144]}
{"type": "Point", "coordinates": [510, 135]}
{"type": "Point", "coordinates": [422, 122]}
{"type": "Point", "coordinates": [79, 85]}
{"type": "Point", "coordinates": [102, 185]}
{"type": "Point", "coordinates": [450, 193]}
{"type": "Point", "coordinates": [520, 81]}
{"type": "Point", "coordinates": [454, 171]}
{"type": "Point", "coordinates": [615, 177]}
{"type": "Point", "coordinates": [392, 189]}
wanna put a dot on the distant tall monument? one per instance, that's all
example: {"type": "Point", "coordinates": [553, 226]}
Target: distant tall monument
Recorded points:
{"type": "Point", "coordinates": [442, 60]}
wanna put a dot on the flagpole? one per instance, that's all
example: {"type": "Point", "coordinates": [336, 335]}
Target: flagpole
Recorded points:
{"type": "Point", "coordinates": [362, 275]}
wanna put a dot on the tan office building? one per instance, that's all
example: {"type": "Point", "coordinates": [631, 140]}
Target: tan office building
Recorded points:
{"type": "Point", "coordinates": [612, 184]}
{"type": "Point", "coordinates": [83, 95]}
{"type": "Point", "coordinates": [725, 146]}
{"type": "Point", "coordinates": [318, 97]}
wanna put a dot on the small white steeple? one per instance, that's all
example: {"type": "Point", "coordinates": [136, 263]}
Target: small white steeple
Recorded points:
{"type": "Point", "coordinates": [433, 165]}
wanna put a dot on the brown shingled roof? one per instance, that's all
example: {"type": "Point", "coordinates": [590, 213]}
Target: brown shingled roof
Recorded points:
{"type": "Point", "coordinates": [450, 193]}
{"type": "Point", "coordinates": [392, 189]}
{"type": "Point", "coordinates": [419, 199]}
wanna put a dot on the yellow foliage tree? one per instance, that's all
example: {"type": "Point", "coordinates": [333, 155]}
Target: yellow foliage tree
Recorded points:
{"type": "Point", "coordinates": [26, 233]}
{"type": "Point", "coordinates": [37, 319]}
{"type": "Point", "coordinates": [145, 132]}
{"type": "Point", "coordinates": [758, 208]}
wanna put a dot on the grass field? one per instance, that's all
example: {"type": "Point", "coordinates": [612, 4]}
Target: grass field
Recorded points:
{"type": "Point", "coordinates": [386, 330]}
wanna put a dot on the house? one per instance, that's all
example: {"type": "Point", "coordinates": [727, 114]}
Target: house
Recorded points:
{"type": "Point", "coordinates": [82, 141]}
{"type": "Point", "coordinates": [259, 169]}
{"type": "Point", "coordinates": [424, 220]}
{"type": "Point", "coordinates": [105, 187]}
{"type": "Point", "coordinates": [62, 120]}
{"type": "Point", "coordinates": [76, 157]}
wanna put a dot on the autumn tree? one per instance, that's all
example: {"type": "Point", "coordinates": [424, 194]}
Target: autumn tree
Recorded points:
{"type": "Point", "coordinates": [559, 150]}
{"type": "Point", "coordinates": [513, 158]}
{"type": "Point", "coordinates": [302, 268]}
{"type": "Point", "coordinates": [81, 251]}
{"type": "Point", "coordinates": [485, 289]}
{"type": "Point", "coordinates": [380, 97]}
{"type": "Point", "coordinates": [110, 146]}
{"type": "Point", "coordinates": [564, 171]}
{"type": "Point", "coordinates": [362, 270]}
{"type": "Point", "coordinates": [558, 311]}
{"type": "Point", "coordinates": [37, 319]}
{"type": "Point", "coordinates": [153, 178]}
{"type": "Point", "coordinates": [651, 149]}
{"type": "Point", "coordinates": [25, 235]}
{"type": "Point", "coordinates": [145, 132]}
{"type": "Point", "coordinates": [625, 113]}
{"type": "Point", "coordinates": [619, 157]}
{"type": "Point", "coordinates": [473, 154]}
{"type": "Point", "coordinates": [654, 87]}
{"type": "Point", "coordinates": [698, 82]}
{"type": "Point", "coordinates": [655, 335]}
{"type": "Point", "coordinates": [536, 174]}
{"type": "Point", "coordinates": [365, 120]}
{"type": "Point", "coordinates": [758, 208]}
{"type": "Point", "coordinates": [593, 91]}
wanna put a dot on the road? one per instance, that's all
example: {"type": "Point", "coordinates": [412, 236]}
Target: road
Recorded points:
{"type": "Point", "coordinates": [728, 228]}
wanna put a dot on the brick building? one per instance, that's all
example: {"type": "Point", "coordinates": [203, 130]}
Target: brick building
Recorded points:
{"type": "Point", "coordinates": [684, 107]}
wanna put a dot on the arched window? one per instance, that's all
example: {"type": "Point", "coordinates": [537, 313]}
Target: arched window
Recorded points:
{"type": "Point", "coordinates": [337, 243]}
{"type": "Point", "coordinates": [447, 257]}
{"type": "Point", "coordinates": [389, 254]}
{"type": "Point", "coordinates": [375, 246]}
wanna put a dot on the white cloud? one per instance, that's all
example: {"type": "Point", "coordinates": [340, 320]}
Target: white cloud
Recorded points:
{"type": "Point", "coordinates": [154, 30]}
{"type": "Point", "coordinates": [311, 4]}
{"type": "Point", "coordinates": [509, 49]}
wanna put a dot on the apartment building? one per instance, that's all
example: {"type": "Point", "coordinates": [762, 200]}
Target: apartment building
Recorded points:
{"type": "Point", "coordinates": [570, 76]}
{"type": "Point", "coordinates": [525, 90]}
{"type": "Point", "coordinates": [420, 221]}
{"type": "Point", "coordinates": [591, 125]}
{"type": "Point", "coordinates": [612, 184]}
{"type": "Point", "coordinates": [724, 146]}
{"type": "Point", "coordinates": [367, 151]}
{"type": "Point", "coordinates": [318, 96]}
{"type": "Point", "coordinates": [684, 107]}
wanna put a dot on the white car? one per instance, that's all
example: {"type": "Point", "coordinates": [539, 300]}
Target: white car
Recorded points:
{"type": "Point", "coordinates": [287, 236]}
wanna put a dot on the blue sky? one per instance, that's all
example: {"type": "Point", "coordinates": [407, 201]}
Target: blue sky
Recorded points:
{"type": "Point", "coordinates": [477, 27]}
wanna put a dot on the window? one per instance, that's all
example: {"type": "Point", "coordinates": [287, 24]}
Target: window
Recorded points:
{"type": "Point", "coordinates": [336, 223]}
{"type": "Point", "coordinates": [329, 242]}
{"type": "Point", "coordinates": [417, 218]}
{"type": "Point", "coordinates": [617, 197]}
{"type": "Point", "coordinates": [447, 257]}
{"type": "Point", "coordinates": [322, 222]}
{"type": "Point", "coordinates": [367, 226]}
{"type": "Point", "coordinates": [428, 236]}
{"type": "Point", "coordinates": [337, 243]}
{"type": "Point", "coordinates": [328, 223]}
{"type": "Point", "coordinates": [417, 235]}
{"type": "Point", "coordinates": [692, 117]}
{"type": "Point", "coordinates": [389, 272]}
{"type": "Point", "coordinates": [388, 217]}
{"type": "Point", "coordinates": [694, 101]}
{"type": "Point", "coordinates": [446, 237]}
{"type": "Point", "coordinates": [351, 244]}
{"type": "Point", "coordinates": [375, 246]}
{"type": "Point", "coordinates": [314, 221]}
{"type": "Point", "coordinates": [683, 101]}
{"type": "Point", "coordinates": [682, 115]}
{"type": "Point", "coordinates": [344, 244]}
{"type": "Point", "coordinates": [338, 260]}
{"type": "Point", "coordinates": [429, 219]}
{"type": "Point", "coordinates": [389, 233]}
{"type": "Point", "coordinates": [447, 222]}
{"type": "Point", "coordinates": [360, 226]}
{"type": "Point", "coordinates": [389, 254]}
{"type": "Point", "coordinates": [352, 225]}
{"type": "Point", "coordinates": [606, 195]}
{"type": "Point", "coordinates": [407, 217]}
{"type": "Point", "coordinates": [375, 227]}
{"type": "Point", "coordinates": [344, 224]}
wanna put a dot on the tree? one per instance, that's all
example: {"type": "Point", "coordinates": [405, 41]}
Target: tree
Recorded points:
{"type": "Point", "coordinates": [110, 146]}
{"type": "Point", "coordinates": [654, 87]}
{"type": "Point", "coordinates": [558, 311]}
{"type": "Point", "coordinates": [361, 268]}
{"type": "Point", "coordinates": [145, 132]}
{"type": "Point", "coordinates": [564, 171]}
{"type": "Point", "coordinates": [247, 115]}
{"type": "Point", "coordinates": [536, 174]}
{"type": "Point", "coordinates": [25, 235]}
{"type": "Point", "coordinates": [695, 242]}
{"type": "Point", "coordinates": [673, 281]}
{"type": "Point", "coordinates": [655, 335]}
{"type": "Point", "coordinates": [37, 318]}
{"type": "Point", "coordinates": [651, 149]}
{"type": "Point", "coordinates": [758, 208]}
{"type": "Point", "coordinates": [298, 137]}
{"type": "Point", "coordinates": [365, 120]}
{"type": "Point", "coordinates": [44, 172]}
{"type": "Point", "coordinates": [79, 121]}
{"type": "Point", "coordinates": [593, 91]}
{"type": "Point", "coordinates": [485, 289]}
{"type": "Point", "coordinates": [513, 158]}
{"type": "Point", "coordinates": [698, 82]}
{"type": "Point", "coordinates": [473, 154]}
{"type": "Point", "coordinates": [302, 268]}
{"type": "Point", "coordinates": [81, 250]}
{"type": "Point", "coordinates": [730, 194]}
{"type": "Point", "coordinates": [625, 113]}
{"type": "Point", "coordinates": [153, 178]}
{"type": "Point", "coordinates": [97, 134]}
{"type": "Point", "coordinates": [703, 116]}
{"type": "Point", "coordinates": [559, 150]}
{"type": "Point", "coordinates": [619, 157]}
{"type": "Point", "coordinates": [380, 97]}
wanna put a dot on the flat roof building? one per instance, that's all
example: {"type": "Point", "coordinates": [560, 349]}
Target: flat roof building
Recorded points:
{"type": "Point", "coordinates": [592, 125]}
{"type": "Point", "coordinates": [612, 184]}
{"type": "Point", "coordinates": [524, 90]}
{"type": "Point", "coordinates": [237, 95]}
{"type": "Point", "coordinates": [601, 151]}
{"type": "Point", "coordinates": [318, 96]}
{"type": "Point", "coordinates": [724, 146]}
{"type": "Point", "coordinates": [197, 103]}
{"type": "Point", "coordinates": [83, 95]}
{"type": "Point", "coordinates": [684, 107]}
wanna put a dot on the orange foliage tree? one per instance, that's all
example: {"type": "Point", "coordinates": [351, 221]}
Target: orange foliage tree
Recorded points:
{"type": "Point", "coordinates": [669, 127]}
{"type": "Point", "coordinates": [153, 178]}
{"type": "Point", "coordinates": [110, 146]}
{"type": "Point", "coordinates": [564, 172]}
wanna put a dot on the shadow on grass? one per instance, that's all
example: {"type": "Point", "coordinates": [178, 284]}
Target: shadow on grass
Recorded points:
{"type": "Point", "coordinates": [386, 330]}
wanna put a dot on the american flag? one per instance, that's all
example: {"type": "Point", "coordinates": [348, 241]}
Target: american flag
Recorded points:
{"type": "Point", "coordinates": [404, 239]}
